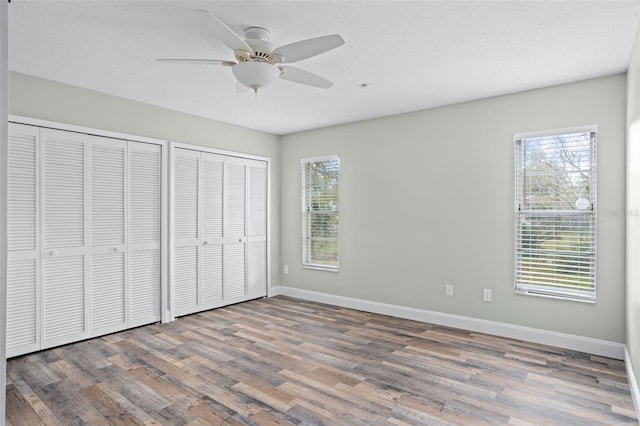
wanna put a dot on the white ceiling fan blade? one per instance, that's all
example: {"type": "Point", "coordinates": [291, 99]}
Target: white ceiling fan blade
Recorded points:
{"type": "Point", "coordinates": [232, 40]}
{"type": "Point", "coordinates": [307, 48]}
{"type": "Point", "coordinates": [197, 61]}
{"type": "Point", "coordinates": [297, 75]}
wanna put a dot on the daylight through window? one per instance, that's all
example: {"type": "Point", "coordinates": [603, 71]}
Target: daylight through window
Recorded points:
{"type": "Point", "coordinates": [556, 215]}
{"type": "Point", "coordinates": [320, 219]}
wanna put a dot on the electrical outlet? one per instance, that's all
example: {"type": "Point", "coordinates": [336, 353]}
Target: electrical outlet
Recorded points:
{"type": "Point", "coordinates": [286, 269]}
{"type": "Point", "coordinates": [448, 290]}
{"type": "Point", "coordinates": [486, 295]}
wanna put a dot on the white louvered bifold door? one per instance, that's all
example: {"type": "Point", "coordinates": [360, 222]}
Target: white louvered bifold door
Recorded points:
{"type": "Point", "coordinates": [257, 229]}
{"type": "Point", "coordinates": [107, 291]}
{"type": "Point", "coordinates": [64, 232]}
{"type": "Point", "coordinates": [219, 230]}
{"type": "Point", "coordinates": [234, 288]}
{"type": "Point", "coordinates": [84, 236]}
{"type": "Point", "coordinates": [211, 225]}
{"type": "Point", "coordinates": [186, 198]}
{"type": "Point", "coordinates": [144, 263]}
{"type": "Point", "coordinates": [23, 314]}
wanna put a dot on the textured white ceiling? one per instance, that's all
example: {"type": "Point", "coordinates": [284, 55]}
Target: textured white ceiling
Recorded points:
{"type": "Point", "coordinates": [414, 54]}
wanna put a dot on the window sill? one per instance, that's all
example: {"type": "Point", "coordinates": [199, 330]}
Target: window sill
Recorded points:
{"type": "Point", "coordinates": [566, 297]}
{"type": "Point", "coordinates": [321, 268]}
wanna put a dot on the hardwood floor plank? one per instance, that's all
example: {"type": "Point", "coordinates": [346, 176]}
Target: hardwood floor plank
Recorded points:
{"type": "Point", "coordinates": [134, 390]}
{"type": "Point", "coordinates": [130, 406]}
{"type": "Point", "coordinates": [277, 399]}
{"type": "Point", "coordinates": [239, 404]}
{"type": "Point", "coordinates": [32, 371]}
{"type": "Point", "coordinates": [113, 412]}
{"type": "Point", "coordinates": [282, 361]}
{"type": "Point", "coordinates": [359, 409]}
{"type": "Point", "coordinates": [271, 418]}
{"type": "Point", "coordinates": [209, 414]}
{"type": "Point", "coordinates": [165, 386]}
{"type": "Point", "coordinates": [67, 405]}
{"type": "Point", "coordinates": [43, 412]}
{"type": "Point", "coordinates": [20, 411]}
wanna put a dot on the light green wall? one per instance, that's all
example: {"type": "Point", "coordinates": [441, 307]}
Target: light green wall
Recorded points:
{"type": "Point", "coordinates": [633, 207]}
{"type": "Point", "coordinates": [427, 199]}
{"type": "Point", "coordinates": [49, 100]}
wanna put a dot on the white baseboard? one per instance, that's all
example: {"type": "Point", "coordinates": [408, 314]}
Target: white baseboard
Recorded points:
{"type": "Point", "coordinates": [631, 378]}
{"type": "Point", "coordinates": [545, 337]}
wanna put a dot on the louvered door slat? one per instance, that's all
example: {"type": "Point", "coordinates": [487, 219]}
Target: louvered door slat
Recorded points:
{"type": "Point", "coordinates": [144, 282]}
{"type": "Point", "coordinates": [63, 299]}
{"type": "Point", "coordinates": [234, 286]}
{"type": "Point", "coordinates": [145, 192]}
{"type": "Point", "coordinates": [211, 275]}
{"type": "Point", "coordinates": [107, 291]}
{"type": "Point", "coordinates": [212, 195]}
{"type": "Point", "coordinates": [185, 279]}
{"type": "Point", "coordinates": [256, 269]}
{"type": "Point", "coordinates": [236, 200]}
{"type": "Point", "coordinates": [257, 211]}
{"type": "Point", "coordinates": [21, 304]}
{"type": "Point", "coordinates": [186, 194]}
{"type": "Point", "coordinates": [22, 195]}
{"type": "Point", "coordinates": [63, 190]}
{"type": "Point", "coordinates": [107, 193]}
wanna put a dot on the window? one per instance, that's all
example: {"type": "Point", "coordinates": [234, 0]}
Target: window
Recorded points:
{"type": "Point", "coordinates": [320, 217]}
{"type": "Point", "coordinates": [556, 215]}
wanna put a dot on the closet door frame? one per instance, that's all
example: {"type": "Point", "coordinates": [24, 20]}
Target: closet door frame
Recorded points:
{"type": "Point", "coordinates": [164, 288]}
{"type": "Point", "coordinates": [234, 155]}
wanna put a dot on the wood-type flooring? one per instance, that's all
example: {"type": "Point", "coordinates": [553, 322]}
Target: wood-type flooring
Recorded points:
{"type": "Point", "coordinates": [281, 361]}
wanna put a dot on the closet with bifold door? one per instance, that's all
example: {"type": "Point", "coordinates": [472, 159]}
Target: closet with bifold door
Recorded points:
{"type": "Point", "coordinates": [84, 236]}
{"type": "Point", "coordinates": [218, 228]}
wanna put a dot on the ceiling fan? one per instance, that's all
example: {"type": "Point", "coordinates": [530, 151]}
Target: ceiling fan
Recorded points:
{"type": "Point", "coordinates": [259, 64]}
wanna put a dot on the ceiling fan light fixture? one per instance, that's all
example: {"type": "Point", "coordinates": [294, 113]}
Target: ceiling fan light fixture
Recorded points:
{"type": "Point", "coordinates": [255, 75]}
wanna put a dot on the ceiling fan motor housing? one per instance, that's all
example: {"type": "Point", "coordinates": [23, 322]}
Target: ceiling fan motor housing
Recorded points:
{"type": "Point", "coordinates": [258, 38]}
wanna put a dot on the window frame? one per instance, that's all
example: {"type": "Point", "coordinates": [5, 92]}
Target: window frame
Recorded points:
{"type": "Point", "coordinates": [307, 212]}
{"type": "Point", "coordinates": [545, 291]}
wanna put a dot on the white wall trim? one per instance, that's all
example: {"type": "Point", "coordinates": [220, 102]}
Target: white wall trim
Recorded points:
{"type": "Point", "coordinates": [631, 378]}
{"type": "Point", "coordinates": [164, 235]}
{"type": "Point", "coordinates": [81, 129]}
{"type": "Point", "coordinates": [542, 133]}
{"type": "Point", "coordinates": [534, 335]}
{"type": "Point", "coordinates": [321, 158]}
{"type": "Point", "coordinates": [227, 153]}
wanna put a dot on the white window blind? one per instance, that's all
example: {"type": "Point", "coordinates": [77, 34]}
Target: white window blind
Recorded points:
{"type": "Point", "coordinates": [320, 216]}
{"type": "Point", "coordinates": [556, 215]}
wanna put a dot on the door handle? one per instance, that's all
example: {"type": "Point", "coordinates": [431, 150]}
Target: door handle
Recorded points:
{"type": "Point", "coordinates": [53, 252]}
